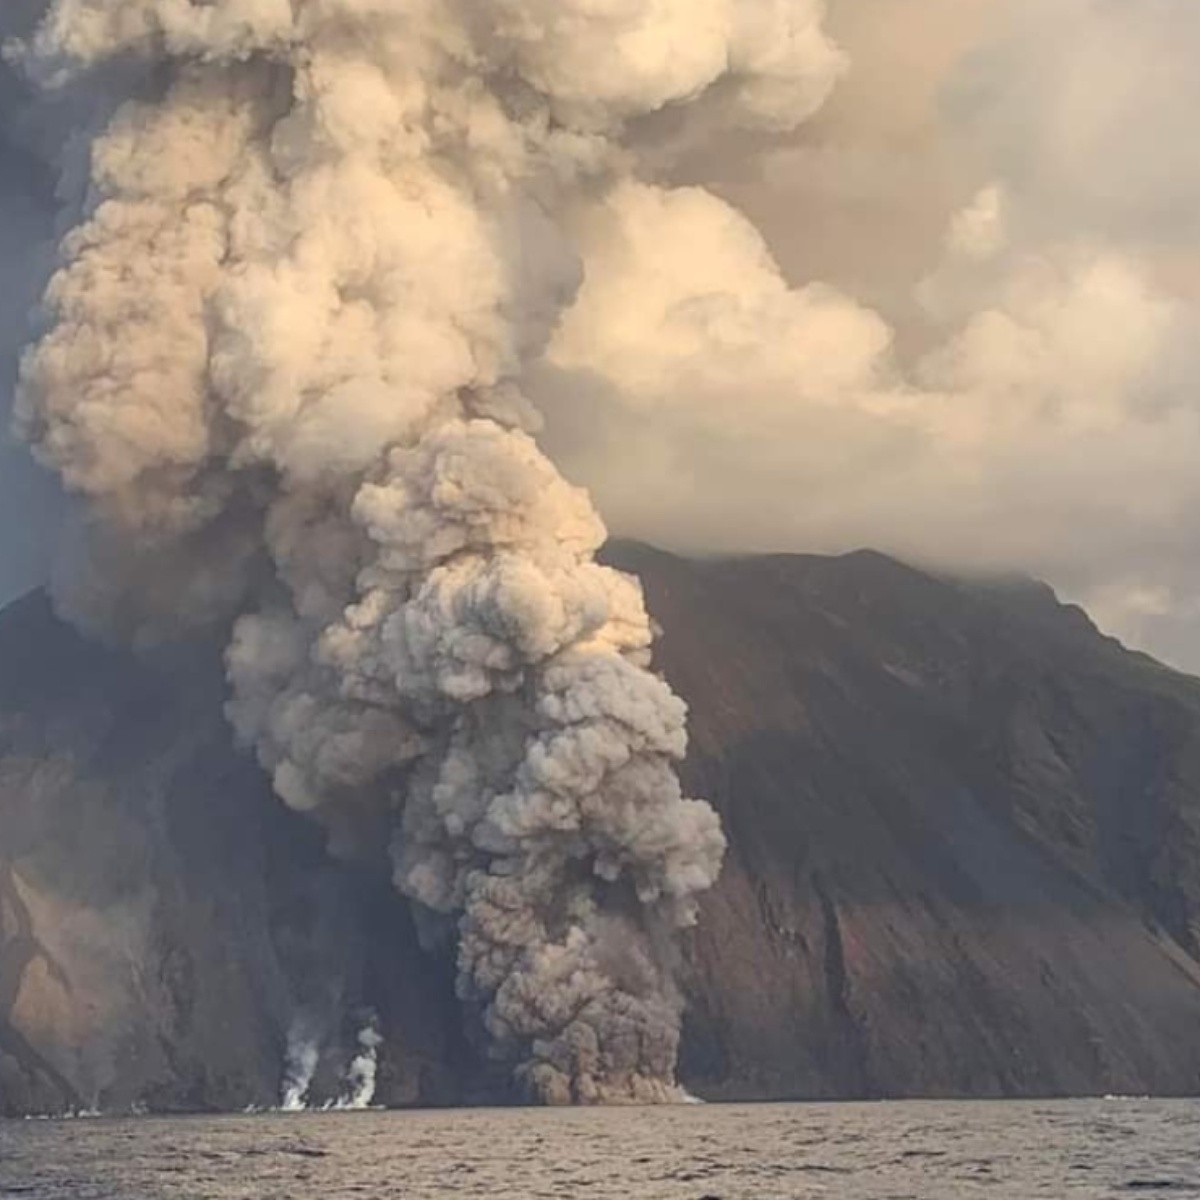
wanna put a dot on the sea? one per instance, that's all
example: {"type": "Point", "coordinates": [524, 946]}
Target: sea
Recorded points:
{"type": "Point", "coordinates": [876, 1151]}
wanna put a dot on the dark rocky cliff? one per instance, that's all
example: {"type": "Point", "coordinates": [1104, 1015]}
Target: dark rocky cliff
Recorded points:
{"type": "Point", "coordinates": [965, 860]}
{"type": "Point", "coordinates": [162, 919]}
{"type": "Point", "coordinates": [965, 831]}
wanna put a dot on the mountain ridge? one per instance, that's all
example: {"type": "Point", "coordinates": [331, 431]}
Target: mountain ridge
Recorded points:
{"type": "Point", "coordinates": [934, 715]}
{"type": "Point", "coordinates": [965, 860]}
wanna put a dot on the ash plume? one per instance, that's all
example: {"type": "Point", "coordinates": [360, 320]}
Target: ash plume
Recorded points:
{"type": "Point", "coordinates": [281, 370]}
{"type": "Point", "coordinates": [300, 1065]}
{"type": "Point", "coordinates": [957, 310]}
{"type": "Point", "coordinates": [358, 1087]}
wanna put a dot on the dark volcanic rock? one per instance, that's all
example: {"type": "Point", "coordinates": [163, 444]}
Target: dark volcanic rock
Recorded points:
{"type": "Point", "coordinates": [965, 860]}
{"type": "Point", "coordinates": [162, 918]}
{"type": "Point", "coordinates": [965, 835]}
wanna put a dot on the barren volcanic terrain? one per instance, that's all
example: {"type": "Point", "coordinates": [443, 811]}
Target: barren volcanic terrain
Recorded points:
{"type": "Point", "coordinates": [965, 860]}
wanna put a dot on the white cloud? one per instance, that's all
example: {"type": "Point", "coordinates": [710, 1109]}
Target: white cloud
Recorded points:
{"type": "Point", "coordinates": [1012, 194]}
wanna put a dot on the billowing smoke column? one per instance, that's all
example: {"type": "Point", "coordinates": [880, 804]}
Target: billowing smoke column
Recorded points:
{"type": "Point", "coordinates": [359, 1085]}
{"type": "Point", "coordinates": [282, 367]}
{"type": "Point", "coordinates": [300, 1065]}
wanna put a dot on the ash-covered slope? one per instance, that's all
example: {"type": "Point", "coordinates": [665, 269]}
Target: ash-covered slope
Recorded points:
{"type": "Point", "coordinates": [965, 835]}
{"type": "Point", "coordinates": [965, 858]}
{"type": "Point", "coordinates": [163, 920]}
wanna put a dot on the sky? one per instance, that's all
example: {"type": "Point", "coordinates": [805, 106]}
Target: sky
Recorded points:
{"type": "Point", "coordinates": [28, 496]}
{"type": "Point", "coordinates": [952, 317]}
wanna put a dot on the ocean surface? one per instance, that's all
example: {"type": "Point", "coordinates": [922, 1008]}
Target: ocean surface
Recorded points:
{"type": "Point", "coordinates": [884, 1151]}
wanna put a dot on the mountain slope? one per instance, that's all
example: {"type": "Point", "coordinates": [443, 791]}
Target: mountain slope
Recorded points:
{"type": "Point", "coordinates": [965, 835]}
{"type": "Point", "coordinates": [965, 859]}
{"type": "Point", "coordinates": [162, 920]}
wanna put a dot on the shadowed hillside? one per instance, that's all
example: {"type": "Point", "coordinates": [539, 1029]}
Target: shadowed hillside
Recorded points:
{"type": "Point", "coordinates": [965, 828]}
{"type": "Point", "coordinates": [965, 860]}
{"type": "Point", "coordinates": [162, 919]}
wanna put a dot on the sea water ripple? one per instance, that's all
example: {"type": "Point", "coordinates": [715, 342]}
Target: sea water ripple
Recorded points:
{"type": "Point", "coordinates": [1069, 1150]}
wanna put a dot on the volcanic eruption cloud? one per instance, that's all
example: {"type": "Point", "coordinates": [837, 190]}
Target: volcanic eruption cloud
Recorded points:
{"type": "Point", "coordinates": [281, 366]}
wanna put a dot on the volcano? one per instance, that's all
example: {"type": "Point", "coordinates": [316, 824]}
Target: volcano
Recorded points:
{"type": "Point", "coordinates": [964, 860]}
